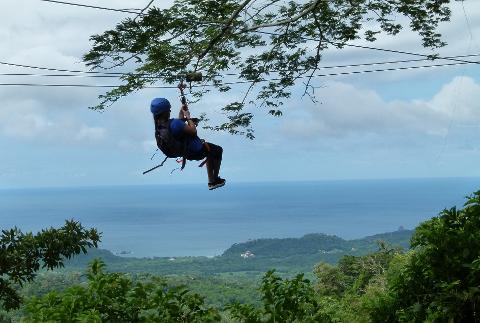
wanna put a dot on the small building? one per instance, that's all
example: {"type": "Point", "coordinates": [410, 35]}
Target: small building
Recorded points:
{"type": "Point", "coordinates": [247, 254]}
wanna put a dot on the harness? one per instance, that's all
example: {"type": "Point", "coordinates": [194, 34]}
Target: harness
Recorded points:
{"type": "Point", "coordinates": [169, 144]}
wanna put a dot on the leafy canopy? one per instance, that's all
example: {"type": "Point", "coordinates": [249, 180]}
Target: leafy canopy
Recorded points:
{"type": "Point", "coordinates": [437, 281]}
{"type": "Point", "coordinates": [268, 44]}
{"type": "Point", "coordinates": [441, 282]}
{"type": "Point", "coordinates": [23, 254]}
{"type": "Point", "coordinates": [289, 300]}
{"type": "Point", "coordinates": [115, 297]}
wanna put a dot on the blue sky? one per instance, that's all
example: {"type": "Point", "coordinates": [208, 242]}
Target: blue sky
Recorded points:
{"type": "Point", "coordinates": [414, 123]}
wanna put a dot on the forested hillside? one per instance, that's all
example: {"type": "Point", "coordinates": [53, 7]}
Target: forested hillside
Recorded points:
{"type": "Point", "coordinates": [289, 256]}
{"type": "Point", "coordinates": [435, 281]}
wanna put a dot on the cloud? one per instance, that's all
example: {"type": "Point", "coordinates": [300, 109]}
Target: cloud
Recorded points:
{"type": "Point", "coordinates": [356, 117]}
{"type": "Point", "coordinates": [459, 99]}
{"type": "Point", "coordinates": [349, 110]}
{"type": "Point", "coordinates": [90, 133]}
{"type": "Point", "coordinates": [27, 126]}
{"type": "Point", "coordinates": [26, 120]}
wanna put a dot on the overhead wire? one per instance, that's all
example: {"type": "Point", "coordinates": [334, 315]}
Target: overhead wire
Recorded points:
{"type": "Point", "coordinates": [257, 31]}
{"type": "Point", "coordinates": [139, 13]}
{"type": "Point", "coordinates": [241, 82]}
{"type": "Point", "coordinates": [457, 89]}
{"type": "Point", "coordinates": [98, 74]}
{"type": "Point", "coordinates": [143, 10]}
{"type": "Point", "coordinates": [94, 7]}
{"type": "Point", "coordinates": [58, 69]}
{"type": "Point", "coordinates": [375, 48]}
{"type": "Point", "coordinates": [467, 20]}
{"type": "Point", "coordinates": [116, 74]}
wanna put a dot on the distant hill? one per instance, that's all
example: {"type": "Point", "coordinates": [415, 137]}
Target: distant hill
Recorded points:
{"type": "Point", "coordinates": [279, 248]}
{"type": "Point", "coordinates": [316, 243]}
{"type": "Point", "coordinates": [400, 238]}
{"type": "Point", "coordinates": [289, 255]}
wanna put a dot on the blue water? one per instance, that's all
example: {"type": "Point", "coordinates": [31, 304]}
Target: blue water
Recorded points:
{"type": "Point", "coordinates": [189, 220]}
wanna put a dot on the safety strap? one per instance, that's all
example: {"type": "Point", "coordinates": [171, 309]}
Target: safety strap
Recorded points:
{"type": "Point", "coordinates": [184, 162]}
{"type": "Point", "coordinates": [184, 157]}
{"type": "Point", "coordinates": [153, 168]}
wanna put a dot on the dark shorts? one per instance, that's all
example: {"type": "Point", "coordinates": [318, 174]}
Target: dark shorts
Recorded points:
{"type": "Point", "coordinates": [215, 153]}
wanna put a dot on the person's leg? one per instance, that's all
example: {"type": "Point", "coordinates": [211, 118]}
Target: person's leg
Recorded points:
{"type": "Point", "coordinates": [215, 156]}
{"type": "Point", "coordinates": [213, 162]}
{"type": "Point", "coordinates": [210, 171]}
{"type": "Point", "coordinates": [202, 154]}
{"type": "Point", "coordinates": [217, 168]}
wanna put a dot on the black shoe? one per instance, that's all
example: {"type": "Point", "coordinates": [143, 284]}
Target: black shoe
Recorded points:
{"type": "Point", "coordinates": [219, 182]}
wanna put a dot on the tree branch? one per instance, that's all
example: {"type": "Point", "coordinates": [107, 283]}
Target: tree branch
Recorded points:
{"type": "Point", "coordinates": [224, 29]}
{"type": "Point", "coordinates": [143, 10]}
{"type": "Point", "coordinates": [259, 10]}
{"type": "Point", "coordinates": [285, 21]}
{"type": "Point", "coordinates": [318, 54]}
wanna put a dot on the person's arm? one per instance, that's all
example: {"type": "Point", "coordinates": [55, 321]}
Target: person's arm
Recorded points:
{"type": "Point", "coordinates": [181, 113]}
{"type": "Point", "coordinates": [190, 127]}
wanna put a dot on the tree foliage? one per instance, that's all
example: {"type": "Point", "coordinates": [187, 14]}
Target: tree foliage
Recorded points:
{"type": "Point", "coordinates": [441, 282]}
{"type": "Point", "coordinates": [23, 254]}
{"type": "Point", "coordinates": [356, 286]}
{"type": "Point", "coordinates": [289, 300]}
{"type": "Point", "coordinates": [115, 297]}
{"type": "Point", "coordinates": [270, 45]}
{"type": "Point", "coordinates": [437, 281]}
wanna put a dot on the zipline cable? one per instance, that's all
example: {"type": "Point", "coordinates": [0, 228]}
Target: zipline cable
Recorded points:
{"type": "Point", "coordinates": [143, 10]}
{"type": "Point", "coordinates": [373, 48]}
{"type": "Point", "coordinates": [59, 70]}
{"type": "Point", "coordinates": [256, 31]}
{"type": "Point", "coordinates": [94, 7]}
{"type": "Point", "coordinates": [241, 82]}
{"type": "Point", "coordinates": [95, 74]}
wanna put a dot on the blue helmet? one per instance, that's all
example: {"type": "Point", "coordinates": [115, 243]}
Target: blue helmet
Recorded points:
{"type": "Point", "coordinates": [159, 105]}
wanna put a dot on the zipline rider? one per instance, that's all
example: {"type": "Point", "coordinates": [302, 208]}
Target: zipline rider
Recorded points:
{"type": "Point", "coordinates": [178, 138]}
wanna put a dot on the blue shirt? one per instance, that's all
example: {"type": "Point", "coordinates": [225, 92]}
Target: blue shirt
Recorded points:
{"type": "Point", "coordinates": [177, 127]}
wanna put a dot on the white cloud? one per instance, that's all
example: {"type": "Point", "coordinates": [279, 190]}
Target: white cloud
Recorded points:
{"type": "Point", "coordinates": [90, 133]}
{"type": "Point", "coordinates": [27, 126]}
{"type": "Point", "coordinates": [356, 113]}
{"type": "Point", "coordinates": [459, 99]}
{"type": "Point", "coordinates": [347, 110]}
{"type": "Point", "coordinates": [27, 120]}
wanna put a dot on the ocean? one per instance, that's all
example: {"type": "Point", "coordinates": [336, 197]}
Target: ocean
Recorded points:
{"type": "Point", "coordinates": [189, 220]}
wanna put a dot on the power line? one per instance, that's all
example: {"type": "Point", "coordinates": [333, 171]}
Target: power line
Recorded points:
{"type": "Point", "coordinates": [140, 13]}
{"type": "Point", "coordinates": [97, 74]}
{"type": "Point", "coordinates": [58, 75]}
{"type": "Point", "coordinates": [58, 70]}
{"type": "Point", "coordinates": [372, 48]}
{"type": "Point", "coordinates": [359, 72]}
{"type": "Point", "coordinates": [396, 69]}
{"type": "Point", "coordinates": [95, 7]}
{"type": "Point", "coordinates": [79, 85]}
{"type": "Point", "coordinates": [143, 10]}
{"type": "Point", "coordinates": [240, 82]}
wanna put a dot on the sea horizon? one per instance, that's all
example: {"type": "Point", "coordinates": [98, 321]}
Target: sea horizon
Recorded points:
{"type": "Point", "coordinates": [188, 220]}
{"type": "Point", "coordinates": [202, 184]}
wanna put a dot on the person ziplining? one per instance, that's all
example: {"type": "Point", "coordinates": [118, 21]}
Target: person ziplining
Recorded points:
{"type": "Point", "coordinates": [177, 137]}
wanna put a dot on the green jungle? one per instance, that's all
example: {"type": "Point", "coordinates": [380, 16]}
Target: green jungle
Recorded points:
{"type": "Point", "coordinates": [431, 274]}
